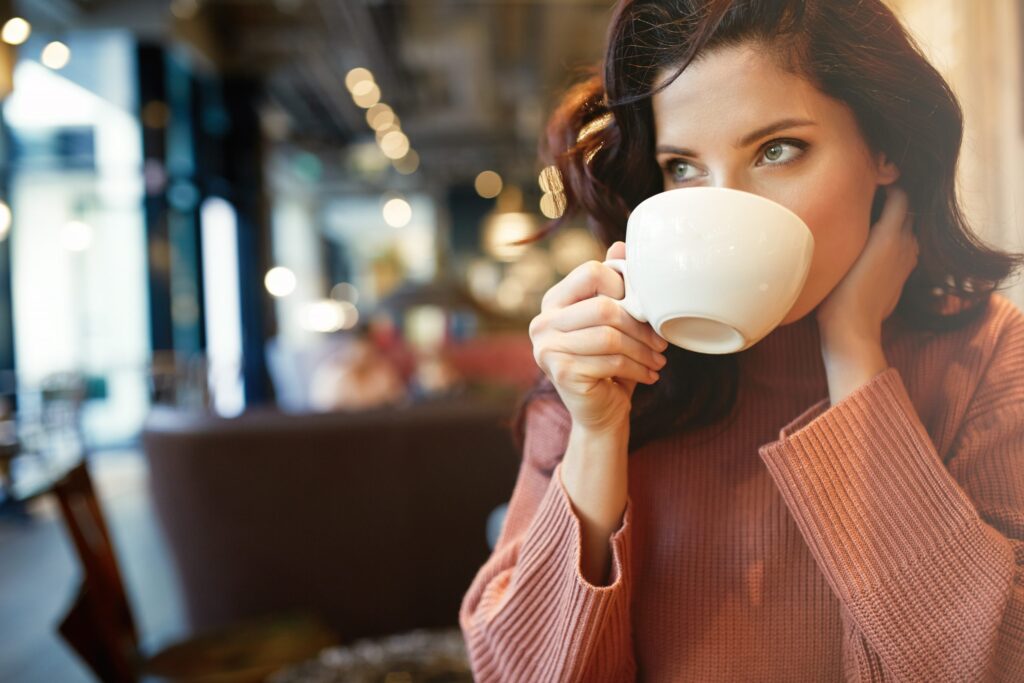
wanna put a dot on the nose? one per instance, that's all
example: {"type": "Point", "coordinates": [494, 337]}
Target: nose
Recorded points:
{"type": "Point", "coordinates": [732, 181]}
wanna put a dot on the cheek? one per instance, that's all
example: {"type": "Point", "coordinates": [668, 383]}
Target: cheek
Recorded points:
{"type": "Point", "coordinates": [839, 236]}
{"type": "Point", "coordinates": [838, 215]}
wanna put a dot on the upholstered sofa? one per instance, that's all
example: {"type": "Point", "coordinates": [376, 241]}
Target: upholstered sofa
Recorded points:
{"type": "Point", "coordinates": [376, 521]}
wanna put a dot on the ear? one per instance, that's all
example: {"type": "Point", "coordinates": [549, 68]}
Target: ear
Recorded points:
{"type": "Point", "coordinates": [886, 172]}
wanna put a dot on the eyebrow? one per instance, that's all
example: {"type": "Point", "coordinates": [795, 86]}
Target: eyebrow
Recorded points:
{"type": "Point", "coordinates": [748, 139]}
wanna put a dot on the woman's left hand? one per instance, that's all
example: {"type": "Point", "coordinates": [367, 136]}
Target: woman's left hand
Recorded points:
{"type": "Point", "coordinates": [855, 309]}
{"type": "Point", "coordinates": [850, 318]}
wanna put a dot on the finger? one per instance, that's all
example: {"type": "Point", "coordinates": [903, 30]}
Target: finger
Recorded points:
{"type": "Point", "coordinates": [605, 340]}
{"type": "Point", "coordinates": [567, 368]}
{"type": "Point", "coordinates": [617, 250]}
{"type": "Point", "coordinates": [585, 281]}
{"type": "Point", "coordinates": [601, 310]}
{"type": "Point", "coordinates": [616, 367]}
{"type": "Point", "coordinates": [895, 209]}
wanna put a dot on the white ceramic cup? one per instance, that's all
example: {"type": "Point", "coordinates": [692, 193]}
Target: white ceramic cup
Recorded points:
{"type": "Point", "coordinates": [713, 269]}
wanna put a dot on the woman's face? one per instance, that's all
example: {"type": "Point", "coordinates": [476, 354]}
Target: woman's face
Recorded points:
{"type": "Point", "coordinates": [712, 129]}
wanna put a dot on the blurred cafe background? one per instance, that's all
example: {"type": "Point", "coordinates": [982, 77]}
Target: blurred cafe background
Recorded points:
{"type": "Point", "coordinates": [262, 330]}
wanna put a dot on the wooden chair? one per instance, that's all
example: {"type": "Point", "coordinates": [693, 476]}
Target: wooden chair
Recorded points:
{"type": "Point", "coordinates": [99, 625]}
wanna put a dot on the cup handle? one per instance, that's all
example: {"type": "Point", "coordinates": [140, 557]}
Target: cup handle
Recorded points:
{"type": "Point", "coordinates": [629, 302]}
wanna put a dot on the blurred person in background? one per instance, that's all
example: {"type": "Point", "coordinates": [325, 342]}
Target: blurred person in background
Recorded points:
{"type": "Point", "coordinates": [356, 376]}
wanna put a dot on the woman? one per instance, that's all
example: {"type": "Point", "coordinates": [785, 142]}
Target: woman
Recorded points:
{"type": "Point", "coordinates": [845, 499]}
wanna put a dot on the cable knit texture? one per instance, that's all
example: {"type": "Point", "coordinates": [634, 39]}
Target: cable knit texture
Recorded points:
{"type": "Point", "coordinates": [877, 539]}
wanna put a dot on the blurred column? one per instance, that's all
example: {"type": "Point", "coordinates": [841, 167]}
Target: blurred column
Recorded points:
{"type": "Point", "coordinates": [242, 167]}
{"type": "Point", "coordinates": [227, 163]}
{"type": "Point", "coordinates": [7, 58]}
{"type": "Point", "coordinates": [203, 139]}
{"type": "Point", "coordinates": [171, 204]}
{"type": "Point", "coordinates": [977, 46]}
{"type": "Point", "coordinates": [7, 384]}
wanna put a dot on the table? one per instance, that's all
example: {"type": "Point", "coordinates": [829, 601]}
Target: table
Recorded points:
{"type": "Point", "coordinates": [420, 656]}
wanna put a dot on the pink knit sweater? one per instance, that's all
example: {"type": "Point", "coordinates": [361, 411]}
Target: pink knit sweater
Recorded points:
{"type": "Point", "coordinates": [881, 538]}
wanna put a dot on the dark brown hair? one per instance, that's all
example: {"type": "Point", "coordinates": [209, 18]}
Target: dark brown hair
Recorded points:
{"type": "Point", "coordinates": [601, 138]}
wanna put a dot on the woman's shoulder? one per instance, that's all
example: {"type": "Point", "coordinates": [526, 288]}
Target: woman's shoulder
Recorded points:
{"type": "Point", "coordinates": [999, 324]}
{"type": "Point", "coordinates": [1001, 312]}
{"type": "Point", "coordinates": [998, 329]}
{"type": "Point", "coordinates": [999, 340]}
{"type": "Point", "coordinates": [1007, 312]}
{"type": "Point", "coordinates": [980, 363]}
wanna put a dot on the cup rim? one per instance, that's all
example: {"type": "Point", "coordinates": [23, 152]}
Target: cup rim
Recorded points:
{"type": "Point", "coordinates": [705, 189]}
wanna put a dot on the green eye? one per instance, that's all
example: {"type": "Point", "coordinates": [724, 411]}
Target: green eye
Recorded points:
{"type": "Point", "coordinates": [781, 152]}
{"type": "Point", "coordinates": [677, 169]}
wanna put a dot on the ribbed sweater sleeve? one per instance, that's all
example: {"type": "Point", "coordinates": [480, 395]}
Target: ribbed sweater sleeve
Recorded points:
{"type": "Point", "coordinates": [529, 614]}
{"type": "Point", "coordinates": [928, 566]}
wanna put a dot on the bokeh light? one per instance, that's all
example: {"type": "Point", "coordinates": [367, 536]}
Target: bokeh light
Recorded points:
{"type": "Point", "coordinates": [328, 315]}
{"type": "Point", "coordinates": [488, 184]}
{"type": "Point", "coordinates": [395, 145]}
{"type": "Point", "coordinates": [550, 180]}
{"type": "Point", "coordinates": [573, 246]}
{"type": "Point", "coordinates": [366, 94]}
{"type": "Point", "coordinates": [356, 76]}
{"type": "Point", "coordinates": [552, 206]}
{"type": "Point", "coordinates": [16, 31]}
{"type": "Point", "coordinates": [345, 291]}
{"type": "Point", "coordinates": [56, 55]}
{"type": "Point", "coordinates": [380, 116]}
{"type": "Point", "coordinates": [397, 212]}
{"type": "Point", "coordinates": [280, 281]}
{"type": "Point", "coordinates": [511, 293]}
{"type": "Point", "coordinates": [408, 164]}
{"type": "Point", "coordinates": [156, 114]}
{"type": "Point", "coordinates": [384, 130]}
{"type": "Point", "coordinates": [502, 229]}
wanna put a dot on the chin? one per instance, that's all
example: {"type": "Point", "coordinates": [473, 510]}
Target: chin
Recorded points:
{"type": "Point", "coordinates": [800, 309]}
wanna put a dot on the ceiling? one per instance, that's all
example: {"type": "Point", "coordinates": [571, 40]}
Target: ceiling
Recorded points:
{"type": "Point", "coordinates": [471, 80]}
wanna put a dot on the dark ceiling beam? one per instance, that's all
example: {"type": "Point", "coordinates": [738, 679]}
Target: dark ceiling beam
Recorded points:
{"type": "Point", "coordinates": [331, 84]}
{"type": "Point", "coordinates": [50, 13]}
{"type": "Point", "coordinates": [305, 121]}
{"type": "Point", "coordinates": [312, 77]}
{"type": "Point", "coordinates": [147, 19]}
{"type": "Point", "coordinates": [352, 22]}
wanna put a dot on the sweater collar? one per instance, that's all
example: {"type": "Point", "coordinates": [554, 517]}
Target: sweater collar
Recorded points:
{"type": "Point", "coordinates": [790, 356]}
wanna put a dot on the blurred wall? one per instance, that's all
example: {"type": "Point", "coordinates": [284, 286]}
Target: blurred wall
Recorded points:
{"type": "Point", "coordinates": [977, 47]}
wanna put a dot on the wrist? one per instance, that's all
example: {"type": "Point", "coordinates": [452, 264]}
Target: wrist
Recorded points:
{"type": "Point", "coordinates": [852, 366]}
{"type": "Point", "coordinates": [594, 453]}
{"type": "Point", "coordinates": [848, 336]}
{"type": "Point", "coordinates": [601, 436]}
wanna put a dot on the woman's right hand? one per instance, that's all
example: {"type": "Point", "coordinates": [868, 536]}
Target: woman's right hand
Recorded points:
{"type": "Point", "coordinates": [591, 349]}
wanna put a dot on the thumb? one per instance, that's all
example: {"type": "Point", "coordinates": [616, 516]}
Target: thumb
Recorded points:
{"type": "Point", "coordinates": [617, 250]}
